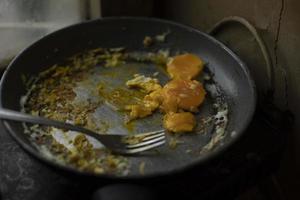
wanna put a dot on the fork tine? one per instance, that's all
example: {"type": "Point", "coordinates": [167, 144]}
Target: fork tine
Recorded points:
{"type": "Point", "coordinates": [145, 142]}
{"type": "Point", "coordinates": [149, 133]}
{"type": "Point", "coordinates": [153, 136]}
{"type": "Point", "coordinates": [145, 148]}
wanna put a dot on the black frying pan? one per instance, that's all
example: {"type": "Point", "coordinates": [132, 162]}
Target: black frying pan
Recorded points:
{"type": "Point", "coordinates": [230, 74]}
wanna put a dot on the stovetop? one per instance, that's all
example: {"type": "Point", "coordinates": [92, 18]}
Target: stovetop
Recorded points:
{"type": "Point", "coordinates": [254, 156]}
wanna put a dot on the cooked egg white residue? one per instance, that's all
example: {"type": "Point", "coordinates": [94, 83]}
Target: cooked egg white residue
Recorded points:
{"type": "Point", "coordinates": [64, 138]}
{"type": "Point", "coordinates": [220, 123]}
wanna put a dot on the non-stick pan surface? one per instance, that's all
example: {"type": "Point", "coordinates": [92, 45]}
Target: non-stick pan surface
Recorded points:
{"type": "Point", "coordinates": [229, 72]}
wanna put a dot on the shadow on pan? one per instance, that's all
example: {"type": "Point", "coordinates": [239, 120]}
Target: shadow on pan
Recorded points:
{"type": "Point", "coordinates": [229, 73]}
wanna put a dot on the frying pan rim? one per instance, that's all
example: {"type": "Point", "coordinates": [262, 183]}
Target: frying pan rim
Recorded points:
{"type": "Point", "coordinates": [204, 158]}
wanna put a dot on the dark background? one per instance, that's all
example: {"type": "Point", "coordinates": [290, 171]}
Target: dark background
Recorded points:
{"type": "Point", "coordinates": [273, 169]}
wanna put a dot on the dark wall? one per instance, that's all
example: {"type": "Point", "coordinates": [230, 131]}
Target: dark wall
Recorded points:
{"type": "Point", "coordinates": [127, 7]}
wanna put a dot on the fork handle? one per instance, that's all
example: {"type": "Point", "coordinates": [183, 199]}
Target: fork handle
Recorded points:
{"type": "Point", "coordinates": [22, 117]}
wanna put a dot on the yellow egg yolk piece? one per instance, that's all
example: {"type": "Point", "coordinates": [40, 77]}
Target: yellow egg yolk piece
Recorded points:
{"type": "Point", "coordinates": [182, 94]}
{"type": "Point", "coordinates": [185, 66]}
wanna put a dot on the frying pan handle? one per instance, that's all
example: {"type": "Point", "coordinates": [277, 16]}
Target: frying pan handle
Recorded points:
{"type": "Point", "coordinates": [125, 192]}
{"type": "Point", "coordinates": [260, 42]}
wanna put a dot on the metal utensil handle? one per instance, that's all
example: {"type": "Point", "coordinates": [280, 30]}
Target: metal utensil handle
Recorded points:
{"type": "Point", "coordinates": [22, 117]}
{"type": "Point", "coordinates": [259, 40]}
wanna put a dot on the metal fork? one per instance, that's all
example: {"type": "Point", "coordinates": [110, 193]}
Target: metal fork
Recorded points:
{"type": "Point", "coordinates": [121, 144]}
